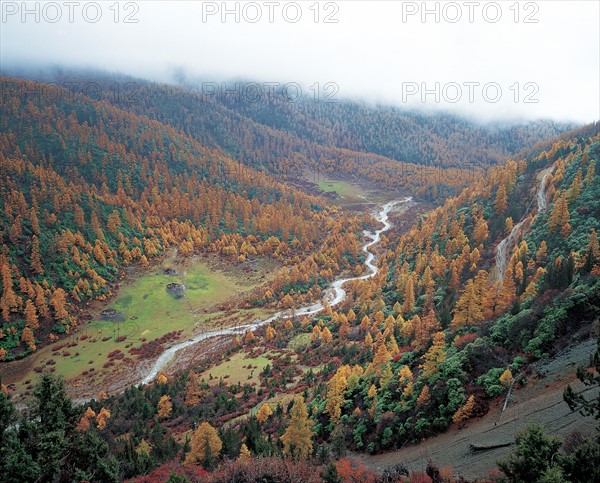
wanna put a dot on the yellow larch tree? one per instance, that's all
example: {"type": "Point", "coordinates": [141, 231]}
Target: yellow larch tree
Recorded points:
{"type": "Point", "coordinates": [468, 309]}
{"type": "Point", "coordinates": [264, 413]}
{"type": "Point", "coordinates": [560, 217]}
{"type": "Point", "coordinates": [435, 355]}
{"type": "Point", "coordinates": [465, 411]}
{"type": "Point", "coordinates": [424, 396]}
{"type": "Point", "coordinates": [84, 422]}
{"type": "Point", "coordinates": [165, 406]}
{"type": "Point", "coordinates": [28, 337]}
{"type": "Point", "coordinates": [205, 445]}
{"type": "Point", "coordinates": [382, 356]}
{"type": "Point", "coordinates": [270, 333]}
{"type": "Point", "coordinates": [297, 439]}
{"type": "Point", "coordinates": [425, 328]}
{"type": "Point", "coordinates": [193, 392]}
{"type": "Point", "coordinates": [31, 317]}
{"type": "Point", "coordinates": [335, 395]}
{"type": "Point", "coordinates": [316, 333]}
{"type": "Point", "coordinates": [542, 253]}
{"type": "Point", "coordinates": [409, 296]}
{"type": "Point", "coordinates": [500, 203]}
{"type": "Point", "coordinates": [102, 418]}
{"type": "Point", "coordinates": [506, 379]}
{"type": "Point", "coordinates": [245, 454]}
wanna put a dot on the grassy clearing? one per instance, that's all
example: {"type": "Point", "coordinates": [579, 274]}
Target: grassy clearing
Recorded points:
{"type": "Point", "coordinates": [239, 368]}
{"type": "Point", "coordinates": [299, 342]}
{"type": "Point", "coordinates": [351, 193]}
{"type": "Point", "coordinates": [148, 312]}
{"type": "Point", "coordinates": [151, 312]}
{"type": "Point", "coordinates": [342, 188]}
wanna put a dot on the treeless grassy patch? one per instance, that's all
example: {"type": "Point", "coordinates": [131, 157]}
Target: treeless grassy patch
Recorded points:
{"type": "Point", "coordinates": [239, 368]}
{"type": "Point", "coordinates": [147, 312]}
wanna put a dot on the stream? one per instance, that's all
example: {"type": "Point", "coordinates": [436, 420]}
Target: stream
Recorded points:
{"type": "Point", "coordinates": [335, 294]}
{"type": "Point", "coordinates": [505, 247]}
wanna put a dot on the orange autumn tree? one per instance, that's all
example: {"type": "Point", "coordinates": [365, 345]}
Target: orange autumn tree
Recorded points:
{"type": "Point", "coordinates": [28, 338]}
{"type": "Point", "coordinates": [264, 413]}
{"type": "Point", "coordinates": [58, 302]}
{"type": "Point", "coordinates": [31, 318]}
{"type": "Point", "coordinates": [9, 301]}
{"type": "Point", "coordinates": [465, 411]}
{"type": "Point", "coordinates": [165, 406]}
{"type": "Point", "coordinates": [36, 258]}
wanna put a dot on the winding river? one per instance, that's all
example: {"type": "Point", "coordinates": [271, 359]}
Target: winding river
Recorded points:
{"type": "Point", "coordinates": [335, 294]}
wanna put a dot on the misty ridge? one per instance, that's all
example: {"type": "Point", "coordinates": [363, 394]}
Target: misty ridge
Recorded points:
{"type": "Point", "coordinates": [310, 126]}
{"type": "Point", "coordinates": [240, 90]}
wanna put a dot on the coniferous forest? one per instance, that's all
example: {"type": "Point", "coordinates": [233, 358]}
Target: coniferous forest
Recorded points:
{"type": "Point", "coordinates": [488, 268]}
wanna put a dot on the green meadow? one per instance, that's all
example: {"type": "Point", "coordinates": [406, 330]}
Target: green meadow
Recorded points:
{"type": "Point", "coordinates": [341, 188]}
{"type": "Point", "coordinates": [349, 193]}
{"type": "Point", "coordinates": [239, 368]}
{"type": "Point", "coordinates": [146, 312]}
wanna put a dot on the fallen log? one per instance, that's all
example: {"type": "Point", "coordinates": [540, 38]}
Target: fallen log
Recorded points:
{"type": "Point", "coordinates": [475, 448]}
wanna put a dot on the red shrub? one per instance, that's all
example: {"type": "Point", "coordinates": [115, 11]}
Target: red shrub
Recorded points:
{"type": "Point", "coordinates": [420, 477]}
{"type": "Point", "coordinates": [351, 470]}
{"type": "Point", "coordinates": [462, 341]}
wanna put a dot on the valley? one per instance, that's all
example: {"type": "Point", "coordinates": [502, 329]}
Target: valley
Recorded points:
{"type": "Point", "coordinates": [334, 296]}
{"type": "Point", "coordinates": [105, 349]}
{"type": "Point", "coordinates": [308, 242]}
{"type": "Point", "coordinates": [324, 290]}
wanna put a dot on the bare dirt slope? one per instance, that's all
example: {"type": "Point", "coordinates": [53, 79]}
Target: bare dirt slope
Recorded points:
{"type": "Point", "coordinates": [540, 401]}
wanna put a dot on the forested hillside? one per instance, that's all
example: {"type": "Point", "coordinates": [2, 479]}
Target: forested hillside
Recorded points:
{"type": "Point", "coordinates": [503, 271]}
{"type": "Point", "coordinates": [91, 186]}
{"type": "Point", "coordinates": [429, 342]}
{"type": "Point", "coordinates": [266, 128]}
{"type": "Point", "coordinates": [87, 189]}
{"type": "Point", "coordinates": [444, 333]}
